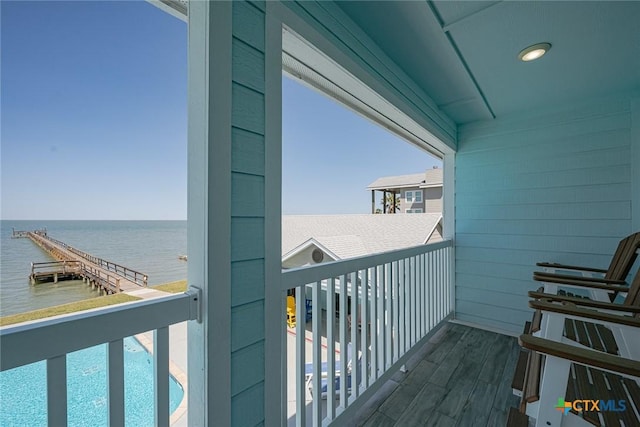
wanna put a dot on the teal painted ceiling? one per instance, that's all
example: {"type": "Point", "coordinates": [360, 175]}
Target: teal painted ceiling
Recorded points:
{"type": "Point", "coordinates": [465, 54]}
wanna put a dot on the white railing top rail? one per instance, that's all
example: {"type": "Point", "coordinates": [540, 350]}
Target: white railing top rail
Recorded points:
{"type": "Point", "coordinates": [309, 274]}
{"type": "Point", "coordinates": [44, 339]}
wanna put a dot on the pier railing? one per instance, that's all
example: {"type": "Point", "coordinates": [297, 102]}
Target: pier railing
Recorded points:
{"type": "Point", "coordinates": [368, 316]}
{"type": "Point", "coordinates": [56, 267]}
{"type": "Point", "coordinates": [53, 339]}
{"type": "Point", "coordinates": [127, 273]}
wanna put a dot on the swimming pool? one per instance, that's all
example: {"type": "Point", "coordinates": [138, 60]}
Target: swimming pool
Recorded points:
{"type": "Point", "coordinates": [23, 393]}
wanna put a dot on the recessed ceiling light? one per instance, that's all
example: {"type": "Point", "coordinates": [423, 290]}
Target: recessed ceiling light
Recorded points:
{"type": "Point", "coordinates": [534, 52]}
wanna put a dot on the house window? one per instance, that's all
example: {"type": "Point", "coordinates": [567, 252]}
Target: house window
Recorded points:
{"type": "Point", "coordinates": [413, 196]}
{"type": "Point", "coordinates": [413, 211]}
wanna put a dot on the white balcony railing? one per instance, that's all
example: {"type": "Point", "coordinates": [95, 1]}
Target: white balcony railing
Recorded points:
{"type": "Point", "coordinates": [399, 299]}
{"type": "Point", "coordinates": [52, 339]}
{"type": "Point", "coordinates": [396, 300]}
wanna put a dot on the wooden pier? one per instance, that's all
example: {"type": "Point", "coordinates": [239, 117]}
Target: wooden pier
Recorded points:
{"type": "Point", "coordinates": [72, 263]}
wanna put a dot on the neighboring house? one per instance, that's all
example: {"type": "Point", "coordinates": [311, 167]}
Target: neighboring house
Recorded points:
{"type": "Point", "coordinates": [418, 193]}
{"type": "Point", "coordinates": [313, 239]}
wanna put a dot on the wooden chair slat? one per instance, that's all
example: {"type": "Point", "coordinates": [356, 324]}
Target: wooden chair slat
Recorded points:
{"type": "Point", "coordinates": [581, 333]}
{"type": "Point", "coordinates": [527, 328]}
{"type": "Point", "coordinates": [633, 391]}
{"type": "Point", "coordinates": [569, 329]}
{"type": "Point", "coordinates": [619, 393]}
{"type": "Point", "coordinates": [602, 392]}
{"type": "Point", "coordinates": [608, 339]}
{"type": "Point", "coordinates": [531, 392]}
{"type": "Point", "coordinates": [624, 257]}
{"type": "Point", "coordinates": [584, 387]}
{"type": "Point", "coordinates": [521, 371]}
{"type": "Point", "coordinates": [535, 321]}
{"type": "Point", "coordinates": [517, 419]}
{"type": "Point", "coordinates": [596, 342]}
{"type": "Point", "coordinates": [572, 393]}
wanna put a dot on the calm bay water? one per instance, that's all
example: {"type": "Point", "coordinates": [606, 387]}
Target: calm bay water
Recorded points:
{"type": "Point", "coordinates": [151, 247]}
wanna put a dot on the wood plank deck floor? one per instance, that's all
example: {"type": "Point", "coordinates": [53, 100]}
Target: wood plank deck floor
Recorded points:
{"type": "Point", "coordinates": [462, 377]}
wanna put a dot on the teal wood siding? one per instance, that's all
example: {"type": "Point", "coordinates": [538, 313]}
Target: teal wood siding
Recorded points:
{"type": "Point", "coordinates": [548, 186]}
{"type": "Point", "coordinates": [328, 19]}
{"type": "Point", "coordinates": [247, 212]}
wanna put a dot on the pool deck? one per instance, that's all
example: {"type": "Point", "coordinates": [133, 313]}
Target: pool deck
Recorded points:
{"type": "Point", "coordinates": [177, 353]}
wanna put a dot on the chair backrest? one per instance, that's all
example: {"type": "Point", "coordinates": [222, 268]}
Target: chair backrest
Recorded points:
{"type": "Point", "coordinates": [291, 303]}
{"type": "Point", "coordinates": [624, 257]}
{"type": "Point", "coordinates": [633, 296]}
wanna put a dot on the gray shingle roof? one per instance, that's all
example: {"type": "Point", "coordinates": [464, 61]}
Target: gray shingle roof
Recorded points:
{"type": "Point", "coordinates": [356, 235]}
{"type": "Point", "coordinates": [429, 178]}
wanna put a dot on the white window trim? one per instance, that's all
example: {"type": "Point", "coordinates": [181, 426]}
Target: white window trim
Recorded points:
{"type": "Point", "coordinates": [416, 210]}
{"type": "Point", "coordinates": [412, 196]}
{"type": "Point", "coordinates": [408, 199]}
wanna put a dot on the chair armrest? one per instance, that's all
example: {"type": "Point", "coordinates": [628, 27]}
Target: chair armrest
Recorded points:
{"type": "Point", "coordinates": [581, 282]}
{"type": "Point", "coordinates": [585, 302]}
{"type": "Point", "coordinates": [570, 267]}
{"type": "Point", "coordinates": [580, 355]}
{"type": "Point", "coordinates": [571, 310]}
{"type": "Point", "coordinates": [542, 276]}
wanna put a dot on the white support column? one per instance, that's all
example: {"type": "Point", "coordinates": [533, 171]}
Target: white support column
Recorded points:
{"type": "Point", "coordinates": [635, 163]}
{"type": "Point", "coordinates": [274, 410]}
{"type": "Point", "coordinates": [448, 196]}
{"type": "Point", "coordinates": [449, 220]}
{"type": "Point", "coordinates": [209, 216]}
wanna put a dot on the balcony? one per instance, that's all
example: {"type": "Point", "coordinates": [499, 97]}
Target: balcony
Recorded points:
{"type": "Point", "coordinates": [401, 299]}
{"type": "Point", "coordinates": [541, 162]}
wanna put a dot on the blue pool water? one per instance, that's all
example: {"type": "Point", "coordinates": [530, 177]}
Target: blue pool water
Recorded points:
{"type": "Point", "coordinates": [23, 396]}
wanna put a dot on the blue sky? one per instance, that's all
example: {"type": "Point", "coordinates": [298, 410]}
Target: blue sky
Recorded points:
{"type": "Point", "coordinates": [94, 123]}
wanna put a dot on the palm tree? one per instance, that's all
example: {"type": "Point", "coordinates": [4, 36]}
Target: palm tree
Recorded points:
{"type": "Point", "coordinates": [388, 204]}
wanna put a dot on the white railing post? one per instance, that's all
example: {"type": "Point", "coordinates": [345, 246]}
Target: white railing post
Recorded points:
{"type": "Point", "coordinates": [161, 376]}
{"type": "Point", "coordinates": [452, 278]}
{"type": "Point", "coordinates": [388, 344]}
{"type": "Point", "coordinates": [57, 391]}
{"type": "Point", "coordinates": [397, 332]}
{"type": "Point", "coordinates": [374, 328]}
{"type": "Point", "coordinates": [354, 339]}
{"type": "Point", "coordinates": [316, 325]}
{"type": "Point", "coordinates": [364, 331]}
{"type": "Point", "coordinates": [343, 341]}
{"type": "Point", "coordinates": [402, 309]}
{"type": "Point", "coordinates": [301, 395]}
{"type": "Point", "coordinates": [115, 381]}
{"type": "Point", "coordinates": [331, 348]}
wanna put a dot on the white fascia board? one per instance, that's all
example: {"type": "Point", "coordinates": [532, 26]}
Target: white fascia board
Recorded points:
{"type": "Point", "coordinates": [311, 242]}
{"type": "Point", "coordinates": [305, 63]}
{"type": "Point", "coordinates": [393, 187]}
{"type": "Point", "coordinates": [174, 8]}
{"type": "Point", "coordinates": [432, 230]}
